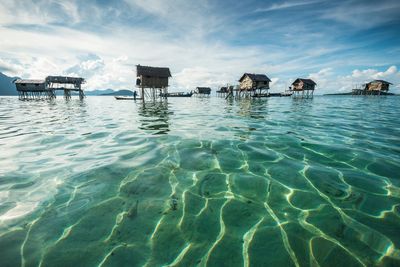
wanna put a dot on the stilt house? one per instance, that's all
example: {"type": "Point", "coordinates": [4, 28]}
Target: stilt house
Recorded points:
{"type": "Point", "coordinates": [67, 84]}
{"type": "Point", "coordinates": [251, 82]}
{"type": "Point", "coordinates": [152, 78]}
{"type": "Point", "coordinates": [301, 84]}
{"type": "Point", "coordinates": [31, 89]}
{"type": "Point", "coordinates": [377, 86]}
{"type": "Point", "coordinates": [47, 88]}
{"type": "Point", "coordinates": [203, 90]}
{"type": "Point", "coordinates": [30, 85]}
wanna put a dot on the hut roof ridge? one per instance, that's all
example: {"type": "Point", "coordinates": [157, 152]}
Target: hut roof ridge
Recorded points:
{"type": "Point", "coordinates": [308, 81]}
{"type": "Point", "coordinates": [28, 81]}
{"type": "Point", "coordinates": [64, 79]}
{"type": "Point", "coordinates": [153, 71]}
{"type": "Point", "coordinates": [382, 81]}
{"type": "Point", "coordinates": [256, 77]}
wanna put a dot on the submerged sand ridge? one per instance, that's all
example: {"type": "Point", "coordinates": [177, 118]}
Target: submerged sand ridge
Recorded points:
{"type": "Point", "coordinates": [200, 182]}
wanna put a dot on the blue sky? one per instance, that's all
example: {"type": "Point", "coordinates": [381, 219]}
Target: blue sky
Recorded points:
{"type": "Point", "coordinates": [339, 44]}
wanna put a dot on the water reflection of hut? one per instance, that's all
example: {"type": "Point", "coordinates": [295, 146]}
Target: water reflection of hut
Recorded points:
{"type": "Point", "coordinates": [149, 79]}
{"type": "Point", "coordinates": [154, 117]}
{"type": "Point", "coordinates": [375, 87]}
{"type": "Point", "coordinates": [203, 91]}
{"type": "Point", "coordinates": [254, 85]}
{"type": "Point", "coordinates": [303, 88]}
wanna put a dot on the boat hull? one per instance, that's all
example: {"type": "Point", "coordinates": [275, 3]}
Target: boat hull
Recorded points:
{"type": "Point", "coordinates": [126, 98]}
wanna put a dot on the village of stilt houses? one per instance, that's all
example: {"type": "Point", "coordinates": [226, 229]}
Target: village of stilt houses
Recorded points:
{"type": "Point", "coordinates": [153, 83]}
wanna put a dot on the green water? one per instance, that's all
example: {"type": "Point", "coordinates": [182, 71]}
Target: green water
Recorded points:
{"type": "Point", "coordinates": [200, 182]}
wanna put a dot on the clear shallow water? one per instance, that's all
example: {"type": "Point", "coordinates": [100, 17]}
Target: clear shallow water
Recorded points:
{"type": "Point", "coordinates": [200, 182]}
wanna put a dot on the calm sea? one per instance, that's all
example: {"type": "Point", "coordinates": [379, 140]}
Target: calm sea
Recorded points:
{"type": "Point", "coordinates": [200, 182]}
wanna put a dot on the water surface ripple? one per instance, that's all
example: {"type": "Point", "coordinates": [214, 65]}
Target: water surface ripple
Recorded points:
{"type": "Point", "coordinates": [200, 182]}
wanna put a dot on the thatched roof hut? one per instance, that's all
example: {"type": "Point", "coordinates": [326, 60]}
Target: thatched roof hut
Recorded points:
{"type": "Point", "coordinates": [152, 77]}
{"type": "Point", "coordinates": [301, 84]}
{"type": "Point", "coordinates": [64, 82]}
{"type": "Point", "coordinates": [203, 90]}
{"type": "Point", "coordinates": [30, 85]}
{"type": "Point", "coordinates": [378, 85]}
{"type": "Point", "coordinates": [46, 88]}
{"type": "Point", "coordinates": [64, 79]}
{"type": "Point", "coordinates": [250, 81]}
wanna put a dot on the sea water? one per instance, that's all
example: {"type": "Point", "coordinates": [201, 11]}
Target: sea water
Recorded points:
{"type": "Point", "coordinates": [200, 182]}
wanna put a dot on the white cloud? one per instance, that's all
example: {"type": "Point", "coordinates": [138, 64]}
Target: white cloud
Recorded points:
{"type": "Point", "coordinates": [285, 5]}
{"type": "Point", "coordinates": [40, 12]}
{"type": "Point", "coordinates": [274, 81]}
{"type": "Point", "coordinates": [10, 68]}
{"type": "Point", "coordinates": [364, 75]}
{"type": "Point", "coordinates": [190, 78]}
{"type": "Point", "coordinates": [117, 53]}
{"type": "Point", "coordinates": [364, 14]}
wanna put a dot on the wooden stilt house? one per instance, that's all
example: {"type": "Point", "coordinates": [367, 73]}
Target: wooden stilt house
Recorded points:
{"type": "Point", "coordinates": [31, 89]}
{"type": "Point", "coordinates": [254, 85]}
{"type": "Point", "coordinates": [303, 87]}
{"type": "Point", "coordinates": [377, 86]}
{"type": "Point", "coordinates": [152, 81]}
{"type": "Point", "coordinates": [222, 91]}
{"type": "Point", "coordinates": [203, 91]}
{"type": "Point", "coordinates": [66, 84]}
{"type": "Point", "coordinates": [47, 88]}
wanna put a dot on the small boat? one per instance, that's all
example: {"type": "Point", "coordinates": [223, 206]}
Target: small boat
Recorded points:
{"type": "Point", "coordinates": [177, 94]}
{"type": "Point", "coordinates": [127, 98]}
{"type": "Point", "coordinates": [124, 97]}
{"type": "Point", "coordinates": [261, 95]}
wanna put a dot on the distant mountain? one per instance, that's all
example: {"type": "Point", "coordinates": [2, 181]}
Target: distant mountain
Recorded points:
{"type": "Point", "coordinates": [7, 87]}
{"type": "Point", "coordinates": [109, 91]}
{"type": "Point", "coordinates": [121, 92]}
{"type": "Point", "coordinates": [99, 92]}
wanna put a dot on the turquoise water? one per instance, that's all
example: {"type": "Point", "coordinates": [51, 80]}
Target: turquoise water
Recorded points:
{"type": "Point", "coordinates": [200, 182]}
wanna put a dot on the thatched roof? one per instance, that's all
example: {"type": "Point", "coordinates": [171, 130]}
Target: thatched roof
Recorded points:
{"type": "Point", "coordinates": [203, 88]}
{"type": "Point", "coordinates": [153, 71]}
{"type": "Point", "coordinates": [64, 79]}
{"type": "Point", "coordinates": [29, 81]}
{"type": "Point", "coordinates": [306, 81]}
{"type": "Point", "coordinates": [380, 81]}
{"type": "Point", "coordinates": [255, 77]}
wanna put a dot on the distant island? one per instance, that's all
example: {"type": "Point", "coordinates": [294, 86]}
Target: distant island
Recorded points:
{"type": "Point", "coordinates": [123, 92]}
{"type": "Point", "coordinates": [109, 92]}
